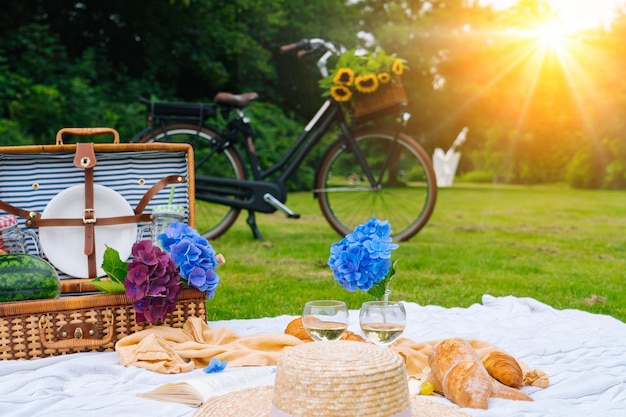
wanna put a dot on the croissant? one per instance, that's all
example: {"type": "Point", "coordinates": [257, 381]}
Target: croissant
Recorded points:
{"type": "Point", "coordinates": [504, 368]}
{"type": "Point", "coordinates": [456, 367]}
{"type": "Point", "coordinates": [295, 328]}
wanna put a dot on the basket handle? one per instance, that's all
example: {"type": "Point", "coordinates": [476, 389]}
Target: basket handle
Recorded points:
{"type": "Point", "coordinates": [87, 131]}
{"type": "Point", "coordinates": [76, 342]}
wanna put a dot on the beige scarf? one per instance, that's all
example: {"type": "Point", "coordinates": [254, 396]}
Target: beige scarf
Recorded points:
{"type": "Point", "coordinates": [170, 350]}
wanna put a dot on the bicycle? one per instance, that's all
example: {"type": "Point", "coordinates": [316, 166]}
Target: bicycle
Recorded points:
{"type": "Point", "coordinates": [366, 172]}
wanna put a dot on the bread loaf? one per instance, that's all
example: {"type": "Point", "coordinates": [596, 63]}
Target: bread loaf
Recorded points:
{"type": "Point", "coordinates": [456, 367]}
{"type": "Point", "coordinates": [295, 328]}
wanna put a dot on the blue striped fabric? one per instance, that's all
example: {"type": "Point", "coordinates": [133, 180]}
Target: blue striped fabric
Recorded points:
{"type": "Point", "coordinates": [29, 181]}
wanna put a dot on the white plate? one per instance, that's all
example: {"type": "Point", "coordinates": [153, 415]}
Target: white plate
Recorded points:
{"type": "Point", "coordinates": [64, 246]}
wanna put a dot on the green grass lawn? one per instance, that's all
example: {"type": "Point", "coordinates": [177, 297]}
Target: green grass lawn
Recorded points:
{"type": "Point", "coordinates": [563, 247]}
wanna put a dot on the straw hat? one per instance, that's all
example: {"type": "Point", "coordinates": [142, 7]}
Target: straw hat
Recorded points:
{"type": "Point", "coordinates": [331, 379]}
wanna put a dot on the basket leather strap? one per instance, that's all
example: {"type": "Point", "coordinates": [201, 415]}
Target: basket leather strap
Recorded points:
{"type": "Point", "coordinates": [80, 342]}
{"type": "Point", "coordinates": [139, 216]}
{"type": "Point", "coordinates": [33, 218]}
{"type": "Point", "coordinates": [25, 214]}
{"type": "Point", "coordinates": [158, 186]}
{"type": "Point", "coordinates": [100, 221]}
{"type": "Point", "coordinates": [85, 158]}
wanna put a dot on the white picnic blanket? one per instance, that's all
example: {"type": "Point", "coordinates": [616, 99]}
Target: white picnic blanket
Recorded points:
{"type": "Point", "coordinates": [583, 354]}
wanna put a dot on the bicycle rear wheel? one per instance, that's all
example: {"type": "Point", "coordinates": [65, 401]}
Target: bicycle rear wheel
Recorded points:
{"type": "Point", "coordinates": [406, 189]}
{"type": "Point", "coordinates": [212, 220]}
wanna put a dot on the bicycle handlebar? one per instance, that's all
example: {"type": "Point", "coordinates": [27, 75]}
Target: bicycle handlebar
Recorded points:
{"type": "Point", "coordinates": [307, 46]}
{"type": "Point", "coordinates": [303, 43]}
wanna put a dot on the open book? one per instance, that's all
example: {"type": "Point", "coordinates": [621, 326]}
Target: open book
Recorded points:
{"type": "Point", "coordinates": [197, 389]}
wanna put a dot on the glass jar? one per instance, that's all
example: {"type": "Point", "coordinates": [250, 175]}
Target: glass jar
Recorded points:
{"type": "Point", "coordinates": [162, 217]}
{"type": "Point", "coordinates": [13, 239]}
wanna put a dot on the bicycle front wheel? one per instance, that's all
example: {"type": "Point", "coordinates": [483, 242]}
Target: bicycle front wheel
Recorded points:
{"type": "Point", "coordinates": [405, 189]}
{"type": "Point", "coordinates": [210, 159]}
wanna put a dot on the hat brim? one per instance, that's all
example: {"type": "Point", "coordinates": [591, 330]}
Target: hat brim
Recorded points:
{"type": "Point", "coordinates": [257, 402]}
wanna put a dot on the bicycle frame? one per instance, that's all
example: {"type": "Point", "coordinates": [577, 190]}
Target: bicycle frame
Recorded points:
{"type": "Point", "coordinates": [236, 181]}
{"type": "Point", "coordinates": [256, 194]}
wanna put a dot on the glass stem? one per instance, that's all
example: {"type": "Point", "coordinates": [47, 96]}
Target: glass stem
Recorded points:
{"type": "Point", "coordinates": [386, 301]}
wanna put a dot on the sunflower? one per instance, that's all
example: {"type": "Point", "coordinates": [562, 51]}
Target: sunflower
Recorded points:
{"type": "Point", "coordinates": [367, 83]}
{"type": "Point", "coordinates": [340, 93]}
{"type": "Point", "coordinates": [397, 67]}
{"type": "Point", "coordinates": [344, 76]}
{"type": "Point", "coordinates": [384, 77]}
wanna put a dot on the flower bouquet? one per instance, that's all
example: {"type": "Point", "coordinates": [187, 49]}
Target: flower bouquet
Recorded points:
{"type": "Point", "coordinates": [155, 275]}
{"type": "Point", "coordinates": [361, 260]}
{"type": "Point", "coordinates": [368, 83]}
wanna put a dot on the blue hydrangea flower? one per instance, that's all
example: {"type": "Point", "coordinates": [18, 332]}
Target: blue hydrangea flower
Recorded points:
{"type": "Point", "coordinates": [362, 258]}
{"type": "Point", "coordinates": [193, 255]}
{"type": "Point", "coordinates": [215, 365]}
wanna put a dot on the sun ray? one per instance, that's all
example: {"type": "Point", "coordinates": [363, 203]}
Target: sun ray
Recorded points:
{"type": "Point", "coordinates": [549, 63]}
{"type": "Point", "coordinates": [507, 65]}
{"type": "Point", "coordinates": [533, 69]}
{"type": "Point", "coordinates": [575, 15]}
{"type": "Point", "coordinates": [554, 60]}
{"type": "Point", "coordinates": [581, 86]}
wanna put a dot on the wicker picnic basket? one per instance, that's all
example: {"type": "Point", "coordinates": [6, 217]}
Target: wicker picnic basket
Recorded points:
{"type": "Point", "coordinates": [387, 98]}
{"type": "Point", "coordinates": [83, 319]}
{"type": "Point", "coordinates": [81, 323]}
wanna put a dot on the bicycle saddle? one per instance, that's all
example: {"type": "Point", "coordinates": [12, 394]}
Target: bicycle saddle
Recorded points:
{"type": "Point", "coordinates": [235, 100]}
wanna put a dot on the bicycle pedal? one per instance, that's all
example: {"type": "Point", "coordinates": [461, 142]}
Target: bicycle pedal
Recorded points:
{"type": "Point", "coordinates": [276, 203]}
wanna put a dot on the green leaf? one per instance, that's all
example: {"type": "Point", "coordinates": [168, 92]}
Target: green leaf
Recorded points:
{"type": "Point", "coordinates": [113, 265]}
{"type": "Point", "coordinates": [108, 286]}
{"type": "Point", "coordinates": [378, 289]}
{"type": "Point", "coordinates": [392, 271]}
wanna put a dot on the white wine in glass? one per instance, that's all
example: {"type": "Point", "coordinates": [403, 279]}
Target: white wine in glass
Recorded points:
{"type": "Point", "coordinates": [382, 322]}
{"type": "Point", "coordinates": [325, 319]}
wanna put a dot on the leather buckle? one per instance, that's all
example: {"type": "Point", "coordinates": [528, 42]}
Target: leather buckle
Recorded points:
{"type": "Point", "coordinates": [78, 331]}
{"type": "Point", "coordinates": [90, 220]}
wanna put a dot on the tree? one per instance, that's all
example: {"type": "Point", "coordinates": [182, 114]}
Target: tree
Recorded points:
{"type": "Point", "coordinates": [530, 110]}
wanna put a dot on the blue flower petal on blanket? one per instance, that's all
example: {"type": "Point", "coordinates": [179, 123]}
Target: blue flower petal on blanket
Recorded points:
{"type": "Point", "coordinates": [215, 365]}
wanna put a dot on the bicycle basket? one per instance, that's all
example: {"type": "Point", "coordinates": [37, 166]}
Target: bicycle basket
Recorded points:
{"type": "Point", "coordinates": [388, 97]}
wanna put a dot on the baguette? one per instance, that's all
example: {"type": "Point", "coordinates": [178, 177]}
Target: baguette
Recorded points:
{"type": "Point", "coordinates": [457, 369]}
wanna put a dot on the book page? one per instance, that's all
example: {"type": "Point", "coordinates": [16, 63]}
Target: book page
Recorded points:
{"type": "Point", "coordinates": [182, 392]}
{"type": "Point", "coordinates": [195, 390]}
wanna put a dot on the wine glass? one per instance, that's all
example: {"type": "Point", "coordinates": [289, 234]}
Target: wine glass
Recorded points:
{"type": "Point", "coordinates": [382, 322]}
{"type": "Point", "coordinates": [325, 319]}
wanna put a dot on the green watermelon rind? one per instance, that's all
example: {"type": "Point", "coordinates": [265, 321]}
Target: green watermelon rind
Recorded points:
{"type": "Point", "coordinates": [27, 277]}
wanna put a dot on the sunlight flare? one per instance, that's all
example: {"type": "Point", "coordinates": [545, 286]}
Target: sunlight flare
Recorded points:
{"type": "Point", "coordinates": [548, 58]}
{"type": "Point", "coordinates": [574, 15]}
{"type": "Point", "coordinates": [552, 36]}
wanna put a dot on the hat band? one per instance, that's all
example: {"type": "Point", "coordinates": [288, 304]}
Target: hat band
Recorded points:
{"type": "Point", "coordinates": [280, 413]}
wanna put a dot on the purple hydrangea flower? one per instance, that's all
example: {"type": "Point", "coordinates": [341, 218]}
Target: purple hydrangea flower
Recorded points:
{"type": "Point", "coordinates": [362, 258]}
{"type": "Point", "coordinates": [152, 282]}
{"type": "Point", "coordinates": [193, 254]}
